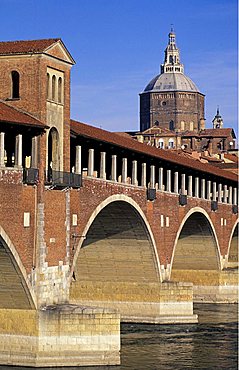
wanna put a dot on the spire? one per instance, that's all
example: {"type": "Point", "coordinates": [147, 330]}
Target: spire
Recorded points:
{"type": "Point", "coordinates": [217, 120]}
{"type": "Point", "coordinates": [172, 55]}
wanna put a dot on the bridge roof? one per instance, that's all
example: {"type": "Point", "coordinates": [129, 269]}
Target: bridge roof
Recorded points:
{"type": "Point", "coordinates": [9, 114]}
{"type": "Point", "coordinates": [85, 130]}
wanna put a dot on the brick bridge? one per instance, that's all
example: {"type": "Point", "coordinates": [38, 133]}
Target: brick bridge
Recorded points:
{"type": "Point", "coordinates": [93, 219]}
{"type": "Point", "coordinates": [130, 221]}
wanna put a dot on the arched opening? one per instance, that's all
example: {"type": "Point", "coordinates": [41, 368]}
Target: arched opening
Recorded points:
{"type": "Point", "coordinates": [171, 144]}
{"type": "Point", "coordinates": [48, 86]}
{"type": "Point", "coordinates": [53, 152]}
{"type": "Point", "coordinates": [13, 290]}
{"type": "Point", "coordinates": [116, 256]}
{"type": "Point", "coordinates": [161, 143]}
{"type": "Point", "coordinates": [196, 256]}
{"type": "Point", "coordinates": [53, 92]}
{"type": "Point", "coordinates": [233, 249]}
{"type": "Point", "coordinates": [60, 90]}
{"type": "Point", "coordinates": [15, 84]}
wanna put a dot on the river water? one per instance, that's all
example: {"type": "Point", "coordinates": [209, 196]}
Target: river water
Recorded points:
{"type": "Point", "coordinates": [211, 344]}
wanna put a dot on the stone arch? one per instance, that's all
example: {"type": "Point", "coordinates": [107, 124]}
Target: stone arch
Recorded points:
{"type": "Point", "coordinates": [117, 248]}
{"type": "Point", "coordinates": [15, 289]}
{"type": "Point", "coordinates": [196, 248]}
{"type": "Point", "coordinates": [233, 247]}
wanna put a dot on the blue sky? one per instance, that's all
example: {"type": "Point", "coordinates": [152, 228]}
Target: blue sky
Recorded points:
{"type": "Point", "coordinates": [118, 46]}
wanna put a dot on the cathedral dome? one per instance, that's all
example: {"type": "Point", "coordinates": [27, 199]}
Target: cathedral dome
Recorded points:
{"type": "Point", "coordinates": [171, 82]}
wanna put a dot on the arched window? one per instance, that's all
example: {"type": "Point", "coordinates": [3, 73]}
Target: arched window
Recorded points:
{"type": "Point", "coordinates": [171, 144]}
{"type": "Point", "coordinates": [48, 86]}
{"type": "Point", "coordinates": [171, 125]}
{"type": "Point", "coordinates": [161, 144]}
{"type": "Point", "coordinates": [191, 126]}
{"type": "Point", "coordinates": [182, 125]}
{"type": "Point", "coordinates": [15, 84]}
{"type": "Point", "coordinates": [59, 90]}
{"type": "Point", "coordinates": [53, 87]}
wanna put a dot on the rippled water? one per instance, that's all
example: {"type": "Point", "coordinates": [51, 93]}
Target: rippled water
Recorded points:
{"type": "Point", "coordinates": [211, 344]}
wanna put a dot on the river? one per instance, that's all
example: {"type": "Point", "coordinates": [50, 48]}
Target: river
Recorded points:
{"type": "Point", "coordinates": [211, 344]}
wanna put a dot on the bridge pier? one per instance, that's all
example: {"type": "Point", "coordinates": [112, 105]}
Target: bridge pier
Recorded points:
{"type": "Point", "coordinates": [60, 335]}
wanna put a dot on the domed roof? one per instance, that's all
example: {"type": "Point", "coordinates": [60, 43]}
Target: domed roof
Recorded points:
{"type": "Point", "coordinates": [171, 82]}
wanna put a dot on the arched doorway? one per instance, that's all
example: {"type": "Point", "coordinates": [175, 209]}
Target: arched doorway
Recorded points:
{"type": "Point", "coordinates": [13, 290]}
{"type": "Point", "coordinates": [53, 151]}
{"type": "Point", "coordinates": [117, 257]}
{"type": "Point", "coordinates": [196, 256]}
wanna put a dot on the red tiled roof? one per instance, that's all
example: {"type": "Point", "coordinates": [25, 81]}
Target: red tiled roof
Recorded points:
{"type": "Point", "coordinates": [10, 114]}
{"type": "Point", "coordinates": [86, 130]}
{"type": "Point", "coordinates": [210, 132]}
{"type": "Point", "coordinates": [26, 46]}
{"type": "Point", "coordinates": [231, 157]}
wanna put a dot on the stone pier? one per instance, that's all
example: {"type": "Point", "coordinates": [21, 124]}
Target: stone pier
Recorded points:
{"type": "Point", "coordinates": [59, 335]}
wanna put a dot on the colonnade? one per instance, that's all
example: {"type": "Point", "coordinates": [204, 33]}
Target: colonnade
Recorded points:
{"type": "Point", "coordinates": [18, 153]}
{"type": "Point", "coordinates": [168, 180]}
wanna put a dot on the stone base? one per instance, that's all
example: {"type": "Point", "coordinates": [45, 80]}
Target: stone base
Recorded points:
{"type": "Point", "coordinates": [211, 286]}
{"type": "Point", "coordinates": [63, 335]}
{"type": "Point", "coordinates": [159, 303]}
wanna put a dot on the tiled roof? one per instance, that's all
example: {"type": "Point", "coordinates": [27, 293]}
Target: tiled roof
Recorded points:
{"type": "Point", "coordinates": [25, 46]}
{"type": "Point", "coordinates": [85, 130]}
{"type": "Point", "coordinates": [210, 132]}
{"type": "Point", "coordinates": [10, 114]}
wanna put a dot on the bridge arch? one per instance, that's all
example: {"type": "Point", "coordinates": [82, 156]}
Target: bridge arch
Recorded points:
{"type": "Point", "coordinates": [117, 247]}
{"type": "Point", "coordinates": [196, 247]}
{"type": "Point", "coordinates": [233, 247]}
{"type": "Point", "coordinates": [15, 288]}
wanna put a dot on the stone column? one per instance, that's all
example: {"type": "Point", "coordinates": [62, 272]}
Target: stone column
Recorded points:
{"type": "Point", "coordinates": [152, 177]}
{"type": "Point", "coordinates": [230, 195]}
{"type": "Point", "coordinates": [225, 194]}
{"type": "Point", "coordinates": [124, 170]}
{"type": "Point", "coordinates": [183, 184]}
{"type": "Point", "coordinates": [168, 181]}
{"type": "Point", "coordinates": [219, 193]}
{"type": "Point", "coordinates": [235, 196]}
{"type": "Point", "coordinates": [18, 151]}
{"type": "Point", "coordinates": [134, 173]}
{"type": "Point", "coordinates": [114, 167]}
{"type": "Point", "coordinates": [78, 160]}
{"type": "Point", "coordinates": [196, 187]}
{"type": "Point", "coordinates": [103, 165]}
{"type": "Point", "coordinates": [190, 186]}
{"type": "Point", "coordinates": [161, 179]}
{"type": "Point", "coordinates": [209, 190]}
{"type": "Point", "coordinates": [91, 162]}
{"type": "Point", "coordinates": [203, 188]}
{"type": "Point", "coordinates": [34, 152]}
{"type": "Point", "coordinates": [175, 182]}
{"type": "Point", "coordinates": [143, 175]}
{"type": "Point", "coordinates": [214, 191]}
{"type": "Point", "coordinates": [2, 146]}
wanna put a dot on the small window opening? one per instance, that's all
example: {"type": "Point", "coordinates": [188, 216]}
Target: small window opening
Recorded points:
{"type": "Point", "coordinates": [15, 85]}
{"type": "Point", "coordinates": [60, 90]}
{"type": "Point", "coordinates": [53, 87]}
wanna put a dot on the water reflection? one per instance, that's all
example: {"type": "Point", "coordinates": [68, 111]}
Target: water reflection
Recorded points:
{"type": "Point", "coordinates": [211, 344]}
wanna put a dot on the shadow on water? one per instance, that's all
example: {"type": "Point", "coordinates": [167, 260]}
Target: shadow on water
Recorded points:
{"type": "Point", "coordinates": [211, 344]}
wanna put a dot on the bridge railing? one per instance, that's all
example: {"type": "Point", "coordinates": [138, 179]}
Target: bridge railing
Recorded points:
{"type": "Point", "coordinates": [30, 176]}
{"type": "Point", "coordinates": [62, 179]}
{"type": "Point", "coordinates": [157, 178]}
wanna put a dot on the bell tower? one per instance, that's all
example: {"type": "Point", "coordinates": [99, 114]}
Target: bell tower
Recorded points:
{"type": "Point", "coordinates": [217, 120]}
{"type": "Point", "coordinates": [35, 78]}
